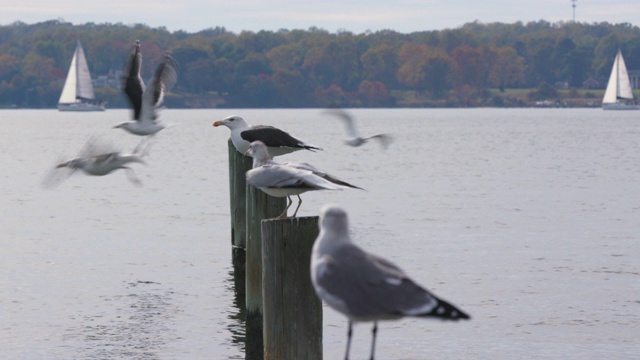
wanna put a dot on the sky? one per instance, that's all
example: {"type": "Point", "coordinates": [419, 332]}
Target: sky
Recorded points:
{"type": "Point", "coordinates": [356, 16]}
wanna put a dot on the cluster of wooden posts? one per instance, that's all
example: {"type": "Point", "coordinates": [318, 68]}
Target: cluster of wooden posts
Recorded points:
{"type": "Point", "coordinates": [283, 313]}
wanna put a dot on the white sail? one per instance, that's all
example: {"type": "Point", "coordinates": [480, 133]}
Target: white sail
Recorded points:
{"type": "Point", "coordinates": [77, 93]}
{"type": "Point", "coordinates": [84, 87]}
{"type": "Point", "coordinates": [69, 90]}
{"type": "Point", "coordinates": [618, 87]}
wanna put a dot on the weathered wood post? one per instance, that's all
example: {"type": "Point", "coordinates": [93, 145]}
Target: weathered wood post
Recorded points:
{"type": "Point", "coordinates": [239, 164]}
{"type": "Point", "coordinates": [292, 313]}
{"type": "Point", "coordinates": [259, 206]}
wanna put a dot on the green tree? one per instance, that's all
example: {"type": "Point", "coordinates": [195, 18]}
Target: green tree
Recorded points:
{"type": "Point", "coordinates": [508, 68]}
{"type": "Point", "coordinates": [380, 64]}
{"type": "Point", "coordinates": [425, 69]}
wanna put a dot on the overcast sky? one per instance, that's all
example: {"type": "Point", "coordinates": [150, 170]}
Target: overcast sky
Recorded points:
{"type": "Point", "coordinates": [356, 16]}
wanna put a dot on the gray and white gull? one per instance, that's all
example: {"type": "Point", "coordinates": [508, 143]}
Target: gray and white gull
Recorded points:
{"type": "Point", "coordinates": [145, 100]}
{"type": "Point", "coordinates": [291, 178]}
{"type": "Point", "coordinates": [353, 135]}
{"type": "Point", "coordinates": [365, 287]}
{"type": "Point", "coordinates": [96, 158]}
{"type": "Point", "coordinates": [278, 141]}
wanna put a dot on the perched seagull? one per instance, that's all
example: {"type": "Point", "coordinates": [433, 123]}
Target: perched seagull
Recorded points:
{"type": "Point", "coordinates": [363, 286]}
{"type": "Point", "coordinates": [278, 141]}
{"type": "Point", "coordinates": [354, 138]}
{"type": "Point", "coordinates": [287, 179]}
{"type": "Point", "coordinates": [260, 154]}
{"type": "Point", "coordinates": [97, 159]}
{"type": "Point", "coordinates": [145, 100]}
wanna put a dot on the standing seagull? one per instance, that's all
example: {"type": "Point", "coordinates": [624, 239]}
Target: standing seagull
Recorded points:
{"type": "Point", "coordinates": [288, 179]}
{"type": "Point", "coordinates": [278, 141]}
{"type": "Point", "coordinates": [98, 159]}
{"type": "Point", "coordinates": [260, 154]}
{"type": "Point", "coordinates": [145, 100]}
{"type": "Point", "coordinates": [363, 286]}
{"type": "Point", "coordinates": [354, 138]}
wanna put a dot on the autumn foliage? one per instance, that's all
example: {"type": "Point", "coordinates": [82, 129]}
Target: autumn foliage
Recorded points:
{"type": "Point", "coordinates": [315, 68]}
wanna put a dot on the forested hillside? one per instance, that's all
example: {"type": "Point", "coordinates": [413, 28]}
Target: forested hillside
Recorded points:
{"type": "Point", "coordinates": [466, 66]}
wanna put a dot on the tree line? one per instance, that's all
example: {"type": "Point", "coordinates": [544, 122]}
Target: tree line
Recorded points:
{"type": "Point", "coordinates": [316, 68]}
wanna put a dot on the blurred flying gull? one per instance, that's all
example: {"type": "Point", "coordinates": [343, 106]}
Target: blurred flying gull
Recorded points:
{"type": "Point", "coordinates": [95, 158]}
{"type": "Point", "coordinates": [353, 135]}
{"type": "Point", "coordinates": [363, 286]}
{"type": "Point", "coordinates": [278, 141]}
{"type": "Point", "coordinates": [146, 100]}
{"type": "Point", "coordinates": [288, 179]}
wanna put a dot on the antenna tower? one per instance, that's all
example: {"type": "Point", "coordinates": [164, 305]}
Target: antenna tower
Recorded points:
{"type": "Point", "coordinates": [573, 5]}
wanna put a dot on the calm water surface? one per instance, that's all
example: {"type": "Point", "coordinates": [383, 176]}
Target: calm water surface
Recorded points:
{"type": "Point", "coordinates": [528, 219]}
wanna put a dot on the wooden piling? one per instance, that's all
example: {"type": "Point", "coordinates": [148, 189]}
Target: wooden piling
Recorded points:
{"type": "Point", "coordinates": [292, 312]}
{"type": "Point", "coordinates": [239, 164]}
{"type": "Point", "coordinates": [259, 206]}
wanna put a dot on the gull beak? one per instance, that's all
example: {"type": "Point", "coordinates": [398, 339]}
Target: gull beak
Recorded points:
{"type": "Point", "coordinates": [64, 164]}
{"type": "Point", "coordinates": [218, 123]}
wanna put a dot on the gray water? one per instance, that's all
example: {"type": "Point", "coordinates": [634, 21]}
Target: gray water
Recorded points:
{"type": "Point", "coordinates": [528, 219]}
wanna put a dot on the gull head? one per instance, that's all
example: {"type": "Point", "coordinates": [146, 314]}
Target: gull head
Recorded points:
{"type": "Point", "coordinates": [232, 122]}
{"type": "Point", "coordinates": [333, 219]}
{"type": "Point", "coordinates": [258, 150]}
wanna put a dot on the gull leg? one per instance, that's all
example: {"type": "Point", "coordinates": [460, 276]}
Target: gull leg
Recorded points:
{"type": "Point", "coordinates": [284, 213]}
{"type": "Point", "coordinates": [349, 333]}
{"type": "Point", "coordinates": [299, 203]}
{"type": "Point", "coordinates": [374, 331]}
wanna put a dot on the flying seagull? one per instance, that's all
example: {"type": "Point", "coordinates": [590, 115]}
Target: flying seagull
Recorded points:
{"type": "Point", "coordinates": [146, 100]}
{"type": "Point", "coordinates": [278, 141]}
{"type": "Point", "coordinates": [363, 286]}
{"type": "Point", "coordinates": [353, 135]}
{"type": "Point", "coordinates": [98, 159]}
{"type": "Point", "coordinates": [288, 179]}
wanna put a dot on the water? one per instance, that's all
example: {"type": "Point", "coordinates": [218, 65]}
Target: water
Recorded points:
{"type": "Point", "coordinates": [528, 219]}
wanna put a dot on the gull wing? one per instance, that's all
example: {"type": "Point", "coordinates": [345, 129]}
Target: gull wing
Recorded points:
{"type": "Point", "coordinates": [283, 177]}
{"type": "Point", "coordinates": [161, 82]}
{"type": "Point", "coordinates": [55, 176]}
{"type": "Point", "coordinates": [370, 286]}
{"type": "Point", "coordinates": [385, 139]}
{"type": "Point", "coordinates": [95, 146]}
{"type": "Point", "coordinates": [134, 85]}
{"type": "Point", "coordinates": [349, 122]}
{"type": "Point", "coordinates": [320, 173]}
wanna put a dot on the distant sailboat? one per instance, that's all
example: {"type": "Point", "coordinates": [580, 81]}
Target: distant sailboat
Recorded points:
{"type": "Point", "coordinates": [77, 93]}
{"type": "Point", "coordinates": [619, 95]}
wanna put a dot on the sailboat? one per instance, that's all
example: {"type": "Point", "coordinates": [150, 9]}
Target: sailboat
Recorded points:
{"type": "Point", "coordinates": [619, 95]}
{"type": "Point", "coordinates": [77, 93]}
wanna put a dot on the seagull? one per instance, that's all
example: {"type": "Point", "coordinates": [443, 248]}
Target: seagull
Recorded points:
{"type": "Point", "coordinates": [363, 286]}
{"type": "Point", "coordinates": [354, 138]}
{"type": "Point", "coordinates": [287, 179]}
{"type": "Point", "coordinates": [145, 100]}
{"type": "Point", "coordinates": [260, 154]}
{"type": "Point", "coordinates": [278, 141]}
{"type": "Point", "coordinates": [98, 159]}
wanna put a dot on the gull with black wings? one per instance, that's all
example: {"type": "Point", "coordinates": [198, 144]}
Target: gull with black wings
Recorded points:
{"type": "Point", "coordinates": [278, 141]}
{"type": "Point", "coordinates": [145, 100]}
